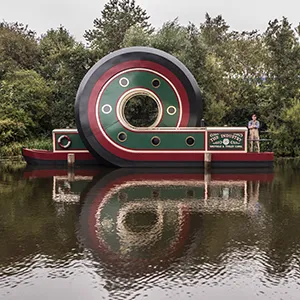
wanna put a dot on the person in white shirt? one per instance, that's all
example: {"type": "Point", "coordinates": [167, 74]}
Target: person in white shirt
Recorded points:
{"type": "Point", "coordinates": [253, 126]}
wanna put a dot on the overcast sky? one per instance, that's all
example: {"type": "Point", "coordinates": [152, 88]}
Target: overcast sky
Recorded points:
{"type": "Point", "coordinates": [78, 15]}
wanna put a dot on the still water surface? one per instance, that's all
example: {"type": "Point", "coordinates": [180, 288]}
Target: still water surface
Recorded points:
{"type": "Point", "coordinates": [134, 234]}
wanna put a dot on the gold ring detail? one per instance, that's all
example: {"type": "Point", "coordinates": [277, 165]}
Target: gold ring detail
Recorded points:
{"type": "Point", "coordinates": [155, 80]}
{"type": "Point", "coordinates": [122, 141]}
{"type": "Point", "coordinates": [156, 138]}
{"type": "Point", "coordinates": [171, 113]}
{"type": "Point", "coordinates": [190, 137]}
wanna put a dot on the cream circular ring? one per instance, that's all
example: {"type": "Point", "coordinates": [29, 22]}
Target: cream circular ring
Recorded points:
{"type": "Point", "coordinates": [171, 110]}
{"type": "Point", "coordinates": [130, 94]}
{"type": "Point", "coordinates": [124, 82]}
{"type": "Point", "coordinates": [106, 109]}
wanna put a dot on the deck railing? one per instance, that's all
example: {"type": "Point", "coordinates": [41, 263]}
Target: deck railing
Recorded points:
{"type": "Point", "coordinates": [265, 143]}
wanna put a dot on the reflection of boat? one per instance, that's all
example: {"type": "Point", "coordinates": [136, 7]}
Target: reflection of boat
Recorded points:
{"type": "Point", "coordinates": [67, 183]}
{"type": "Point", "coordinates": [136, 218]}
{"type": "Point", "coordinates": [50, 171]}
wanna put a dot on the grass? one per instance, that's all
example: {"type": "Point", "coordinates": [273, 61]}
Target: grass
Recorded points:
{"type": "Point", "coordinates": [14, 149]}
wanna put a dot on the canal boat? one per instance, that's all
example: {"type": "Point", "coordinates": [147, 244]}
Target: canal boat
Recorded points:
{"type": "Point", "coordinates": [174, 136]}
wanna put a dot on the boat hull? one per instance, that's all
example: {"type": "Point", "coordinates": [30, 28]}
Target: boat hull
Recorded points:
{"type": "Point", "coordinates": [218, 160]}
{"type": "Point", "coordinates": [45, 157]}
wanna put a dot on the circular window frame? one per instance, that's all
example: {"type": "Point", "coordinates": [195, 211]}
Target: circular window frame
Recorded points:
{"type": "Point", "coordinates": [124, 85]}
{"type": "Point", "coordinates": [154, 138]}
{"type": "Point", "coordinates": [118, 137]}
{"type": "Point", "coordinates": [104, 106]}
{"type": "Point", "coordinates": [129, 95]}
{"type": "Point", "coordinates": [189, 138]}
{"type": "Point", "coordinates": [168, 110]}
{"type": "Point", "coordinates": [156, 79]}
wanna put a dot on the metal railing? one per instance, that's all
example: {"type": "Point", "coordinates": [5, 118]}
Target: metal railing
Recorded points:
{"type": "Point", "coordinates": [265, 143]}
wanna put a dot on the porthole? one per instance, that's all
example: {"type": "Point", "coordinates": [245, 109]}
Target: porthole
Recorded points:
{"type": "Point", "coordinates": [106, 109]}
{"type": "Point", "coordinates": [190, 141]}
{"type": "Point", "coordinates": [155, 141]}
{"type": "Point", "coordinates": [122, 137]}
{"type": "Point", "coordinates": [155, 83]}
{"type": "Point", "coordinates": [171, 110]}
{"type": "Point", "coordinates": [124, 82]}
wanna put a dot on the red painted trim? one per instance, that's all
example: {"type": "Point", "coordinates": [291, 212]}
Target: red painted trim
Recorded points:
{"type": "Point", "coordinates": [247, 156]}
{"type": "Point", "coordinates": [50, 155]}
{"type": "Point", "coordinates": [224, 157]}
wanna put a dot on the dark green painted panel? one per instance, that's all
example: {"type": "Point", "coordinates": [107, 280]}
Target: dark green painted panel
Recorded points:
{"type": "Point", "coordinates": [169, 140]}
{"type": "Point", "coordinates": [139, 79]}
{"type": "Point", "coordinates": [76, 142]}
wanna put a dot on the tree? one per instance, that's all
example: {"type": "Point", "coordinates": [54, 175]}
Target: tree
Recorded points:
{"type": "Point", "coordinates": [136, 36]}
{"type": "Point", "coordinates": [283, 64]}
{"type": "Point", "coordinates": [281, 90]}
{"type": "Point", "coordinates": [64, 63]}
{"type": "Point", "coordinates": [24, 103]}
{"type": "Point", "coordinates": [18, 48]}
{"type": "Point", "coordinates": [116, 18]}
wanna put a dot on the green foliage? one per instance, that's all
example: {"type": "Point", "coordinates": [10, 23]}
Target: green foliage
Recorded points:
{"type": "Point", "coordinates": [117, 17]}
{"type": "Point", "coordinates": [11, 131]}
{"type": "Point", "coordinates": [239, 73]}
{"type": "Point", "coordinates": [215, 113]}
{"type": "Point", "coordinates": [64, 64]}
{"type": "Point", "coordinates": [14, 148]}
{"type": "Point", "coordinates": [24, 99]}
{"type": "Point", "coordinates": [18, 48]}
{"type": "Point", "coordinates": [136, 35]}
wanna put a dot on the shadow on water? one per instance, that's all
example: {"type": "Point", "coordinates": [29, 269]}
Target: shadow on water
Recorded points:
{"type": "Point", "coordinates": [143, 230]}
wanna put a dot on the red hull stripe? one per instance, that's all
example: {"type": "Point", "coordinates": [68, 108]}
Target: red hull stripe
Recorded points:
{"type": "Point", "coordinates": [49, 155]}
{"type": "Point", "coordinates": [215, 157]}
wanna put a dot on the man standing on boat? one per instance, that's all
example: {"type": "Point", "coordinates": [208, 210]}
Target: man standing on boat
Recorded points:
{"type": "Point", "coordinates": [253, 126]}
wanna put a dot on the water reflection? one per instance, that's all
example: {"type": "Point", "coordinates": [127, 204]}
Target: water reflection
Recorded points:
{"type": "Point", "coordinates": [120, 234]}
{"type": "Point", "coordinates": [138, 222]}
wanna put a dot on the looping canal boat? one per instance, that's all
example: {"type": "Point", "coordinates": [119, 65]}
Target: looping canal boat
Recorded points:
{"type": "Point", "coordinates": [173, 137]}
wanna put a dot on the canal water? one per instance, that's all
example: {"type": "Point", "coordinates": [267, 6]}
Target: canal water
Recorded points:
{"type": "Point", "coordinates": [149, 234]}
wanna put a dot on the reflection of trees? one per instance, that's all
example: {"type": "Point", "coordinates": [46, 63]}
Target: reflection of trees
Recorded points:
{"type": "Point", "coordinates": [141, 111]}
{"type": "Point", "coordinates": [29, 223]}
{"type": "Point", "coordinates": [283, 206]}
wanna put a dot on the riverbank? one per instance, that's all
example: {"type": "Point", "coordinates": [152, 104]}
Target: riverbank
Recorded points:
{"type": "Point", "coordinates": [14, 149]}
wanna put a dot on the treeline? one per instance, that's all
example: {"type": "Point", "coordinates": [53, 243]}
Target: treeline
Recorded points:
{"type": "Point", "coordinates": [239, 73]}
